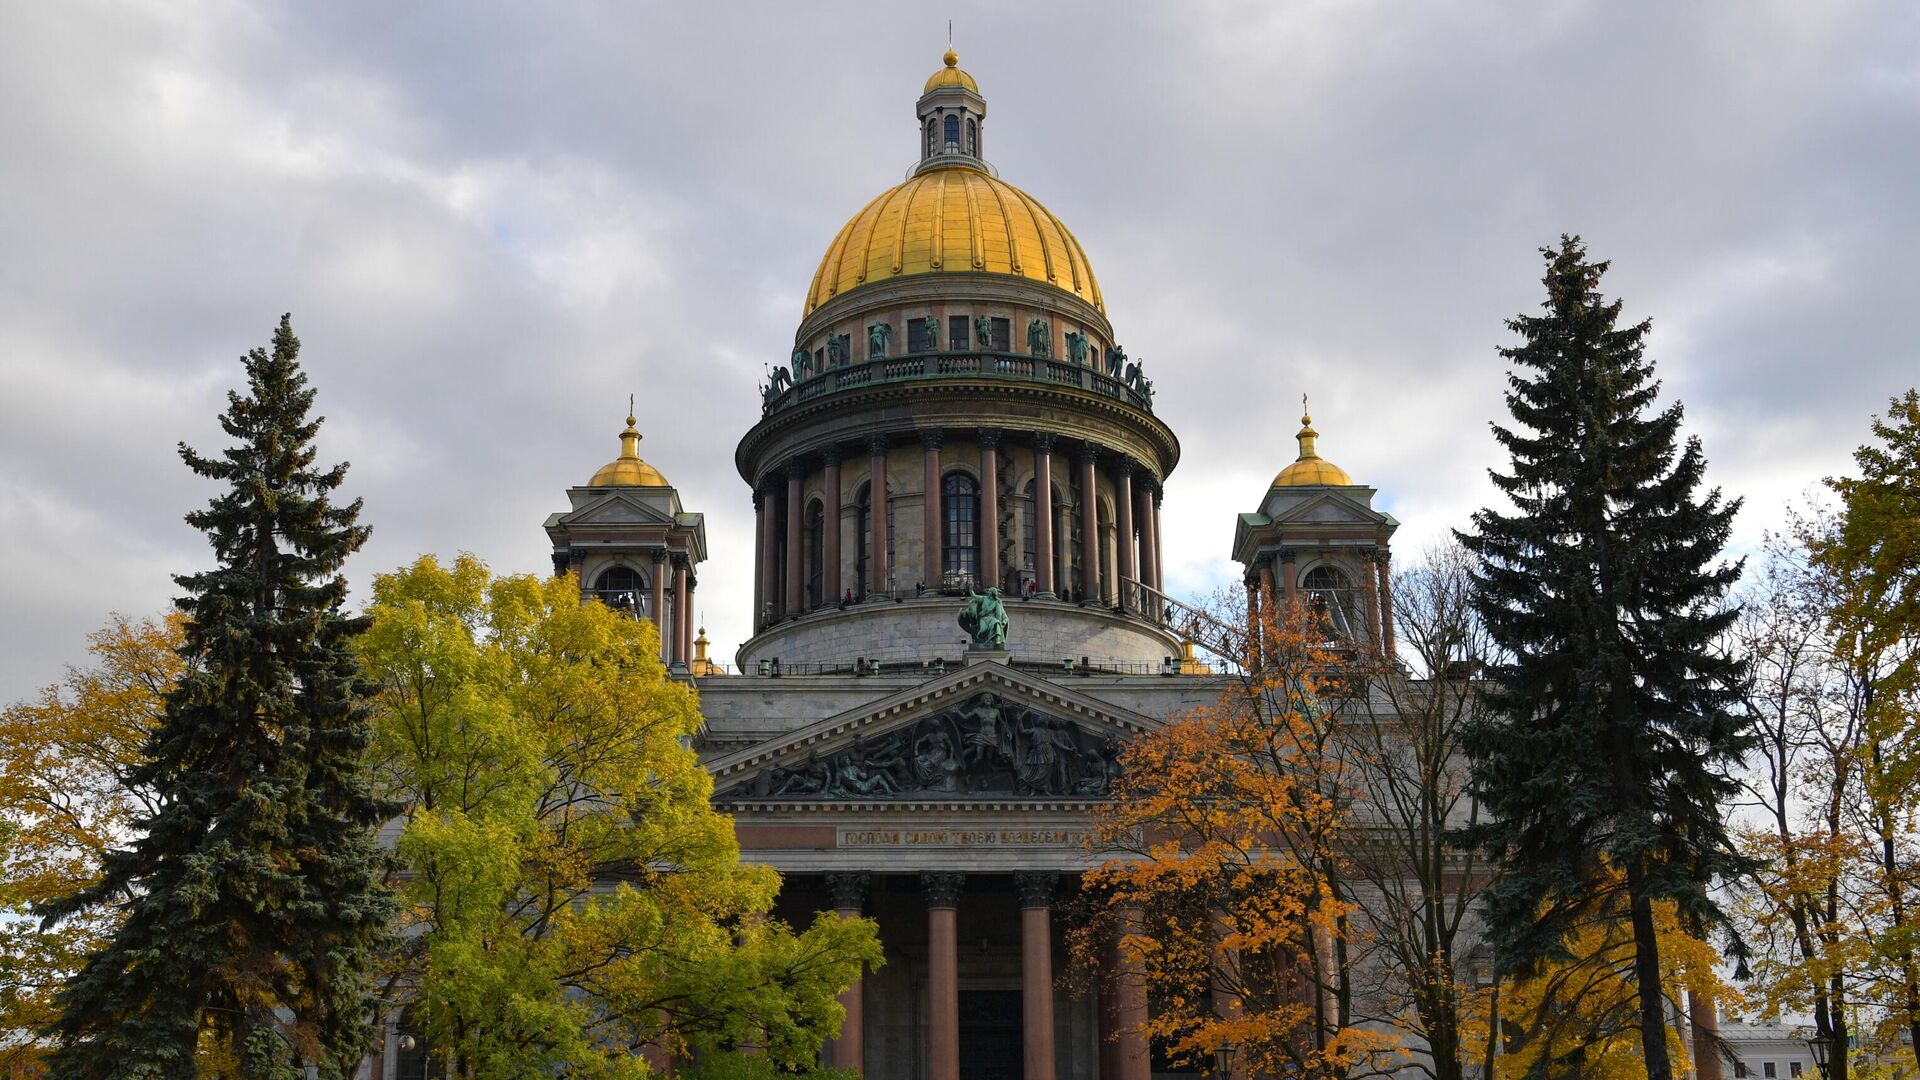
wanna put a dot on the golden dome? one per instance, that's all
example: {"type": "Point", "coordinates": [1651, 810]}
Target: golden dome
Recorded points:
{"type": "Point", "coordinates": [1310, 469]}
{"type": "Point", "coordinates": [628, 470]}
{"type": "Point", "coordinates": [951, 75]}
{"type": "Point", "coordinates": [955, 219]}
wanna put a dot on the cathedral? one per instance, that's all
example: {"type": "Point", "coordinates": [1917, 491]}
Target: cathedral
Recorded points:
{"type": "Point", "coordinates": [958, 607]}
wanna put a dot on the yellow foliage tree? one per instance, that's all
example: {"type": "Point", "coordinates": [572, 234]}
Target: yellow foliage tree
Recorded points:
{"type": "Point", "coordinates": [64, 799]}
{"type": "Point", "coordinates": [1224, 895]}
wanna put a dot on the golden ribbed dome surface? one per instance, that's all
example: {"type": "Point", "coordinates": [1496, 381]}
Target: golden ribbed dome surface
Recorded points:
{"type": "Point", "coordinates": [950, 75]}
{"type": "Point", "coordinates": [628, 470]}
{"type": "Point", "coordinates": [1310, 469]}
{"type": "Point", "coordinates": [954, 220]}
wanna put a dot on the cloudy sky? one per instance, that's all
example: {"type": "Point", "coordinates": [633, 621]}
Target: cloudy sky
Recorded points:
{"type": "Point", "coordinates": [492, 222]}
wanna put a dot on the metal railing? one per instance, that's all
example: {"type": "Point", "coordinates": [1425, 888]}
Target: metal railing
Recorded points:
{"type": "Point", "coordinates": [794, 389]}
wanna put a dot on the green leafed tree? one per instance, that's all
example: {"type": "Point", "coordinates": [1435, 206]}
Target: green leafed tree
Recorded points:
{"type": "Point", "coordinates": [574, 904]}
{"type": "Point", "coordinates": [250, 897]}
{"type": "Point", "coordinates": [1612, 733]}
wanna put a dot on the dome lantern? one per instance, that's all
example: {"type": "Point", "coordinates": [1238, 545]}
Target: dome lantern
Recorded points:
{"type": "Point", "coordinates": [953, 118]}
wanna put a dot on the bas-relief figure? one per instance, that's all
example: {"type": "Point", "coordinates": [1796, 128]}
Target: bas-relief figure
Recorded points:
{"type": "Point", "coordinates": [985, 746]}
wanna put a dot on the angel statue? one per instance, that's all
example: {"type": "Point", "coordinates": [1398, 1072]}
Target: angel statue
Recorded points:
{"type": "Point", "coordinates": [984, 618]}
{"type": "Point", "coordinates": [879, 335]}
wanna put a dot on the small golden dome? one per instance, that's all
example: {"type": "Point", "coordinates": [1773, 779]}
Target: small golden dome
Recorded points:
{"type": "Point", "coordinates": [1310, 469]}
{"type": "Point", "coordinates": [955, 219]}
{"type": "Point", "coordinates": [628, 470]}
{"type": "Point", "coordinates": [951, 75]}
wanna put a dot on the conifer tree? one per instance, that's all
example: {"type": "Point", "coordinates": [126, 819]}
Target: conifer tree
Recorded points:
{"type": "Point", "coordinates": [1612, 728]}
{"type": "Point", "coordinates": [252, 893]}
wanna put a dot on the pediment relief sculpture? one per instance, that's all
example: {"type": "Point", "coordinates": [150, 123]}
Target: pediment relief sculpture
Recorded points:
{"type": "Point", "coordinates": [986, 746]}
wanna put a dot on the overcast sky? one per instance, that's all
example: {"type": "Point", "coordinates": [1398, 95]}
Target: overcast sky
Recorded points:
{"type": "Point", "coordinates": [492, 222]}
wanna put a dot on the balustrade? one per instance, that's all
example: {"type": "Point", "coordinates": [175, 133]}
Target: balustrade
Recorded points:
{"type": "Point", "coordinates": [984, 364]}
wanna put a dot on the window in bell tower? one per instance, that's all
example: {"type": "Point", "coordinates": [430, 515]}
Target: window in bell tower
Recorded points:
{"type": "Point", "coordinates": [973, 138]}
{"type": "Point", "coordinates": [621, 587]}
{"type": "Point", "coordinates": [953, 131]}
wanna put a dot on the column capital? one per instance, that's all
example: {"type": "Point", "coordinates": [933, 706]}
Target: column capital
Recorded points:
{"type": "Point", "coordinates": [988, 438]}
{"type": "Point", "coordinates": [1287, 554]}
{"type": "Point", "coordinates": [1036, 887]}
{"type": "Point", "coordinates": [848, 888]}
{"type": "Point", "coordinates": [1087, 453]}
{"type": "Point", "coordinates": [877, 445]}
{"type": "Point", "coordinates": [772, 485]}
{"type": "Point", "coordinates": [795, 470]}
{"type": "Point", "coordinates": [830, 455]}
{"type": "Point", "coordinates": [1043, 441]}
{"type": "Point", "coordinates": [1123, 467]}
{"type": "Point", "coordinates": [561, 561]}
{"type": "Point", "coordinates": [681, 561]}
{"type": "Point", "coordinates": [933, 438]}
{"type": "Point", "coordinates": [659, 556]}
{"type": "Point", "coordinates": [942, 887]}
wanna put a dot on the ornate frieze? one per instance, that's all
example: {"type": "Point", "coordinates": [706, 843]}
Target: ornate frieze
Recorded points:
{"type": "Point", "coordinates": [985, 747]}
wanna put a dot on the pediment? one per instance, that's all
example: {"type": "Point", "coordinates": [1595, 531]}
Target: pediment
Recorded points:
{"type": "Point", "coordinates": [984, 731]}
{"type": "Point", "coordinates": [618, 508]}
{"type": "Point", "coordinates": [1328, 508]}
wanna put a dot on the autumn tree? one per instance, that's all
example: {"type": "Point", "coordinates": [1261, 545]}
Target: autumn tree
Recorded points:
{"type": "Point", "coordinates": [1873, 557]}
{"type": "Point", "coordinates": [247, 901]}
{"type": "Point", "coordinates": [67, 757]}
{"type": "Point", "coordinates": [1401, 743]}
{"type": "Point", "coordinates": [571, 895]}
{"type": "Point", "coordinates": [1224, 887]}
{"type": "Point", "coordinates": [1612, 732]}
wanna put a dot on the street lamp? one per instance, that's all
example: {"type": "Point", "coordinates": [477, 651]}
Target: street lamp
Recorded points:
{"type": "Point", "coordinates": [1821, 1045]}
{"type": "Point", "coordinates": [1223, 1061]}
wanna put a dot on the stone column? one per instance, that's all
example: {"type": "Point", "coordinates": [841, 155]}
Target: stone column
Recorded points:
{"type": "Point", "coordinates": [877, 523]}
{"type": "Point", "coordinates": [795, 475]}
{"type": "Point", "coordinates": [1289, 576]}
{"type": "Point", "coordinates": [989, 507]}
{"type": "Point", "coordinates": [943, 973]}
{"type": "Point", "coordinates": [1131, 1058]}
{"type": "Point", "coordinates": [1705, 1021]}
{"type": "Point", "coordinates": [679, 608]}
{"type": "Point", "coordinates": [1159, 549]}
{"type": "Point", "coordinates": [1036, 970]}
{"type": "Point", "coordinates": [769, 557]}
{"type": "Point", "coordinates": [830, 529]}
{"type": "Point", "coordinates": [1382, 567]}
{"type": "Point", "coordinates": [849, 891]}
{"type": "Point", "coordinates": [657, 598]}
{"type": "Point", "coordinates": [1043, 513]}
{"type": "Point", "coordinates": [760, 511]}
{"type": "Point", "coordinates": [1089, 524]}
{"type": "Point", "coordinates": [1123, 522]}
{"type": "Point", "coordinates": [1148, 555]}
{"type": "Point", "coordinates": [1374, 640]}
{"type": "Point", "coordinates": [933, 561]}
{"type": "Point", "coordinates": [687, 614]}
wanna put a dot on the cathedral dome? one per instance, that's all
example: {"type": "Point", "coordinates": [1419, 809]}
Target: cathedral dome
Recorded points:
{"type": "Point", "coordinates": [1310, 469]}
{"type": "Point", "coordinates": [951, 75]}
{"type": "Point", "coordinates": [628, 470]}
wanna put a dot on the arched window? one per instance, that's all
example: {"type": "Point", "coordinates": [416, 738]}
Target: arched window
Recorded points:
{"type": "Point", "coordinates": [816, 527]}
{"type": "Point", "coordinates": [960, 501]}
{"type": "Point", "coordinates": [1330, 595]}
{"type": "Point", "coordinates": [953, 130]}
{"type": "Point", "coordinates": [621, 587]}
{"type": "Point", "coordinates": [1029, 535]}
{"type": "Point", "coordinates": [973, 138]}
{"type": "Point", "coordinates": [863, 546]}
{"type": "Point", "coordinates": [932, 134]}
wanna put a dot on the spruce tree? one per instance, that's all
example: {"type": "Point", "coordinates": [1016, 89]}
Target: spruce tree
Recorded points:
{"type": "Point", "coordinates": [1612, 728]}
{"type": "Point", "coordinates": [252, 894]}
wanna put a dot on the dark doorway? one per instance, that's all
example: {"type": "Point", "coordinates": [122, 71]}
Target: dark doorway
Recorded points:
{"type": "Point", "coordinates": [990, 1035]}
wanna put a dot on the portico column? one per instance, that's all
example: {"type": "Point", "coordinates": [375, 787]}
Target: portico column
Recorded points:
{"type": "Point", "coordinates": [1043, 513]}
{"type": "Point", "coordinates": [1089, 524]}
{"type": "Point", "coordinates": [877, 523]}
{"type": "Point", "coordinates": [795, 474]}
{"type": "Point", "coordinates": [935, 563]}
{"type": "Point", "coordinates": [1130, 1055]}
{"type": "Point", "coordinates": [1289, 575]}
{"type": "Point", "coordinates": [1374, 640]}
{"type": "Point", "coordinates": [849, 891]}
{"type": "Point", "coordinates": [943, 974]}
{"type": "Point", "coordinates": [830, 529]}
{"type": "Point", "coordinates": [1148, 556]}
{"type": "Point", "coordinates": [1383, 569]}
{"type": "Point", "coordinates": [657, 600]}
{"type": "Point", "coordinates": [989, 507]}
{"type": "Point", "coordinates": [686, 615]}
{"type": "Point", "coordinates": [1159, 549]}
{"type": "Point", "coordinates": [1123, 521]}
{"type": "Point", "coordinates": [769, 557]}
{"type": "Point", "coordinates": [1705, 1021]}
{"type": "Point", "coordinates": [1036, 970]}
{"type": "Point", "coordinates": [679, 607]}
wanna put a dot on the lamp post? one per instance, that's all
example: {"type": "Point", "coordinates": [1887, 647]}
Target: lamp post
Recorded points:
{"type": "Point", "coordinates": [1223, 1061]}
{"type": "Point", "coordinates": [1821, 1045]}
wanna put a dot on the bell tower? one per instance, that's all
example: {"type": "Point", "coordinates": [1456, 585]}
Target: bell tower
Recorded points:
{"type": "Point", "coordinates": [953, 119]}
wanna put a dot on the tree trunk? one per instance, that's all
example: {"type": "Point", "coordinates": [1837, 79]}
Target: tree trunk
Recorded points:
{"type": "Point", "coordinates": [1646, 973]}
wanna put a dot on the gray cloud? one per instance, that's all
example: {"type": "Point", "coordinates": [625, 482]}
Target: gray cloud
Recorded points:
{"type": "Point", "coordinates": [493, 222]}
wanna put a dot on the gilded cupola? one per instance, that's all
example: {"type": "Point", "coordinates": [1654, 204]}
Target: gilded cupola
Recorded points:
{"type": "Point", "coordinates": [1310, 469]}
{"type": "Point", "coordinates": [628, 470]}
